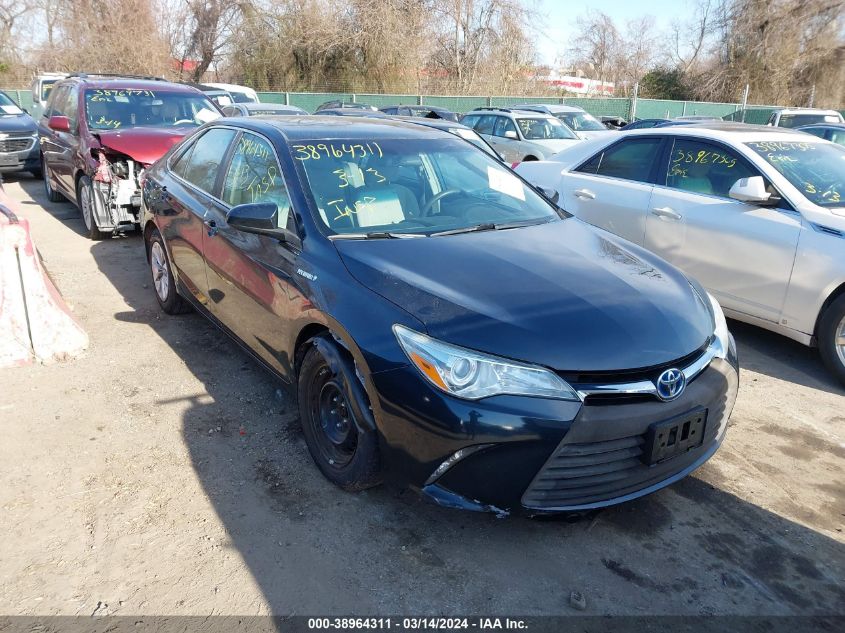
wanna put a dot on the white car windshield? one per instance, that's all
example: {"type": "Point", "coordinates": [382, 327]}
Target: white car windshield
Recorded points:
{"type": "Point", "coordinates": [797, 120]}
{"type": "Point", "coordinates": [543, 129]}
{"type": "Point", "coordinates": [413, 186]}
{"type": "Point", "coordinates": [816, 169]}
{"type": "Point", "coordinates": [581, 121]}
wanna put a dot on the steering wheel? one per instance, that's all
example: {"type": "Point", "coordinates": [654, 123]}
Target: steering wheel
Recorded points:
{"type": "Point", "coordinates": [437, 198]}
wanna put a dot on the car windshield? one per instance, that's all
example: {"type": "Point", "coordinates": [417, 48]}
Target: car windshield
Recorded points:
{"type": "Point", "coordinates": [112, 109]}
{"type": "Point", "coordinates": [242, 97]}
{"type": "Point", "coordinates": [473, 137]}
{"type": "Point", "coordinates": [581, 121]}
{"type": "Point", "coordinates": [46, 87]}
{"type": "Point", "coordinates": [797, 120]}
{"type": "Point", "coordinates": [413, 186]}
{"type": "Point", "coordinates": [817, 169]}
{"type": "Point", "coordinates": [541, 129]}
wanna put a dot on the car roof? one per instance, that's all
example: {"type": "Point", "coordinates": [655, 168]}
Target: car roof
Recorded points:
{"type": "Point", "coordinates": [116, 83]}
{"type": "Point", "coordinates": [440, 124]}
{"type": "Point", "coordinates": [838, 126]}
{"type": "Point", "coordinates": [514, 111]}
{"type": "Point", "coordinates": [723, 130]}
{"type": "Point", "coordinates": [807, 111]}
{"type": "Point", "coordinates": [269, 106]}
{"type": "Point", "coordinates": [314, 126]}
{"type": "Point", "coordinates": [554, 107]}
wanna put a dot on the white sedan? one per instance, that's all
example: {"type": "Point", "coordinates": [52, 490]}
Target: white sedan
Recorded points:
{"type": "Point", "coordinates": [756, 214]}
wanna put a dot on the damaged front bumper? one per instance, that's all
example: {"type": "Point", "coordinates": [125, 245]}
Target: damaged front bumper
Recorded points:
{"type": "Point", "coordinates": [534, 456]}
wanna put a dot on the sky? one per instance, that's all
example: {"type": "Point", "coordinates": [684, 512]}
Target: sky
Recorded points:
{"type": "Point", "coordinates": [558, 18]}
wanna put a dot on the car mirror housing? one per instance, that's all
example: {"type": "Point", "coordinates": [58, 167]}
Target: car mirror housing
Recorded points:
{"type": "Point", "coordinates": [550, 194]}
{"type": "Point", "coordinates": [261, 218]}
{"type": "Point", "coordinates": [751, 190]}
{"type": "Point", "coordinates": [59, 123]}
{"type": "Point", "coordinates": [511, 134]}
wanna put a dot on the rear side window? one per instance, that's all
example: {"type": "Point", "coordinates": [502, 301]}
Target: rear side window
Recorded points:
{"type": "Point", "coordinates": [485, 124]}
{"type": "Point", "coordinates": [704, 168]}
{"type": "Point", "coordinates": [254, 176]}
{"type": "Point", "coordinates": [203, 164]}
{"type": "Point", "coordinates": [470, 120]}
{"type": "Point", "coordinates": [630, 160]}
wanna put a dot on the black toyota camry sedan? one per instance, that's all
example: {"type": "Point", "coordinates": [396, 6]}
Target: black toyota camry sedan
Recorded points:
{"type": "Point", "coordinates": [441, 322]}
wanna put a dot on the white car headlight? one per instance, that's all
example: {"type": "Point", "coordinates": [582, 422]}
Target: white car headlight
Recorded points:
{"type": "Point", "coordinates": [723, 337]}
{"type": "Point", "coordinates": [473, 375]}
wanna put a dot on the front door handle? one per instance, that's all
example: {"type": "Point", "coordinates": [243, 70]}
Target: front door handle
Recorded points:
{"type": "Point", "coordinates": [584, 194]}
{"type": "Point", "coordinates": [211, 227]}
{"type": "Point", "coordinates": [666, 212]}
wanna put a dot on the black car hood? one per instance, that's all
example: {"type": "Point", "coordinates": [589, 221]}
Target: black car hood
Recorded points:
{"type": "Point", "coordinates": [17, 123]}
{"type": "Point", "coordinates": [564, 295]}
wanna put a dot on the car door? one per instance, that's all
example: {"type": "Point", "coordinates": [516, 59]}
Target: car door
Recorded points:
{"type": "Point", "coordinates": [250, 277]}
{"type": "Point", "coordinates": [57, 146]}
{"type": "Point", "coordinates": [612, 189]}
{"type": "Point", "coordinates": [742, 253]}
{"type": "Point", "coordinates": [509, 148]}
{"type": "Point", "coordinates": [70, 158]}
{"type": "Point", "coordinates": [184, 206]}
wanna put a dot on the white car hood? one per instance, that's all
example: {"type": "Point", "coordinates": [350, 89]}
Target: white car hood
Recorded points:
{"type": "Point", "coordinates": [555, 145]}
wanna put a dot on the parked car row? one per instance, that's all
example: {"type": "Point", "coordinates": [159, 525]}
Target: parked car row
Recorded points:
{"type": "Point", "coordinates": [755, 213]}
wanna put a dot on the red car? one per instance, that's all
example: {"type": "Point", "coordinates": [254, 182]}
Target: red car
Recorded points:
{"type": "Point", "coordinates": [98, 133]}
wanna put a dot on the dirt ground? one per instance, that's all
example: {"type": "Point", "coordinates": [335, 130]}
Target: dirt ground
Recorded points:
{"type": "Point", "coordinates": [165, 473]}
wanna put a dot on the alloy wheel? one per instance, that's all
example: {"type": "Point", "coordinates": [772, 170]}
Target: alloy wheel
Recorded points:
{"type": "Point", "coordinates": [85, 203]}
{"type": "Point", "coordinates": [161, 273]}
{"type": "Point", "coordinates": [839, 341]}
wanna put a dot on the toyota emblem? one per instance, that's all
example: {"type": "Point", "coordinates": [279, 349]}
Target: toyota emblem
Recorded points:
{"type": "Point", "coordinates": [671, 384]}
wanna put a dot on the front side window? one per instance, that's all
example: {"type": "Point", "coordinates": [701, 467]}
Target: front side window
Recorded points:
{"type": "Point", "coordinates": [57, 102]}
{"type": "Point", "coordinates": [631, 160]}
{"type": "Point", "coordinates": [815, 168]}
{"type": "Point", "coordinates": [486, 124]}
{"type": "Point", "coordinates": [112, 109]}
{"type": "Point", "coordinates": [700, 167]}
{"type": "Point", "coordinates": [204, 161]}
{"type": "Point", "coordinates": [543, 129]}
{"type": "Point", "coordinates": [412, 186]}
{"type": "Point", "coordinates": [503, 124]}
{"type": "Point", "coordinates": [254, 176]}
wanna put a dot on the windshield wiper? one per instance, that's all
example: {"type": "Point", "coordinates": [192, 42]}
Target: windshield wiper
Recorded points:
{"type": "Point", "coordinates": [490, 226]}
{"type": "Point", "coordinates": [374, 235]}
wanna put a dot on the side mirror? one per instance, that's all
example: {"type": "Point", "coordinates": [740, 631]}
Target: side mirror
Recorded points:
{"type": "Point", "coordinates": [59, 123]}
{"type": "Point", "coordinates": [752, 190]}
{"type": "Point", "coordinates": [257, 217]}
{"type": "Point", "coordinates": [511, 134]}
{"type": "Point", "coordinates": [551, 194]}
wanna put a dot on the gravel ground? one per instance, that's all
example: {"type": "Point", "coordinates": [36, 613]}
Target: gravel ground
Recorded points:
{"type": "Point", "coordinates": [165, 473]}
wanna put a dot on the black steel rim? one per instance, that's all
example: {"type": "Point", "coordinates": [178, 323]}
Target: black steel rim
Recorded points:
{"type": "Point", "coordinates": [331, 420]}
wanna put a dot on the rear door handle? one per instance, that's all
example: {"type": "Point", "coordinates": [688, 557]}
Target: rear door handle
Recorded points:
{"type": "Point", "coordinates": [211, 227]}
{"type": "Point", "coordinates": [666, 212]}
{"type": "Point", "coordinates": [584, 194]}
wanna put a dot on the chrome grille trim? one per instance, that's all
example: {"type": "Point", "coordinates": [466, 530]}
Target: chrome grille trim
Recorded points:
{"type": "Point", "coordinates": [646, 387]}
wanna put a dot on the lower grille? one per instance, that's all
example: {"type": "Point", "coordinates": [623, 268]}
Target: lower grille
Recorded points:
{"type": "Point", "coordinates": [15, 145]}
{"type": "Point", "coordinates": [592, 472]}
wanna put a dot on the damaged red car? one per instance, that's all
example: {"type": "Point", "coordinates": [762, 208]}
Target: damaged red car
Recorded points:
{"type": "Point", "coordinates": [98, 133]}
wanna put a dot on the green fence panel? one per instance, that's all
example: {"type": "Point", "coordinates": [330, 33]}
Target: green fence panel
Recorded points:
{"type": "Point", "coordinates": [612, 106]}
{"type": "Point", "coordinates": [22, 97]}
{"type": "Point", "coordinates": [310, 101]}
{"type": "Point", "coordinates": [755, 115]}
{"type": "Point", "coordinates": [461, 105]}
{"type": "Point", "coordinates": [271, 97]}
{"type": "Point", "coordinates": [381, 101]}
{"type": "Point", "coordinates": [506, 101]}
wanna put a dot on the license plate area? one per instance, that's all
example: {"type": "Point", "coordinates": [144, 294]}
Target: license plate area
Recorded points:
{"type": "Point", "coordinates": [8, 159]}
{"type": "Point", "coordinates": [670, 438]}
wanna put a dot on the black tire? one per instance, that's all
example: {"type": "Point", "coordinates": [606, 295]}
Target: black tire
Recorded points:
{"type": "Point", "coordinates": [52, 194]}
{"type": "Point", "coordinates": [831, 338]}
{"type": "Point", "coordinates": [528, 159]}
{"type": "Point", "coordinates": [85, 199]}
{"type": "Point", "coordinates": [346, 456]}
{"type": "Point", "coordinates": [161, 274]}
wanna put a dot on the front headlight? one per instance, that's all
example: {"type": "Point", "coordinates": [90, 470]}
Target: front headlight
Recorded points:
{"type": "Point", "coordinates": [721, 334]}
{"type": "Point", "coordinates": [473, 375]}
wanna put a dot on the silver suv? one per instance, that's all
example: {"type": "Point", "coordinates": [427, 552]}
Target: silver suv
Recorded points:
{"type": "Point", "coordinates": [519, 135]}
